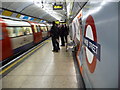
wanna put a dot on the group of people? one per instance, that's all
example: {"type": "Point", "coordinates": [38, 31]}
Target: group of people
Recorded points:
{"type": "Point", "coordinates": [57, 31]}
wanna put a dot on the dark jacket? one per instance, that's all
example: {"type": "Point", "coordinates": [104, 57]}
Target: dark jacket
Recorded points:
{"type": "Point", "coordinates": [61, 31]}
{"type": "Point", "coordinates": [54, 32]}
{"type": "Point", "coordinates": [65, 31]}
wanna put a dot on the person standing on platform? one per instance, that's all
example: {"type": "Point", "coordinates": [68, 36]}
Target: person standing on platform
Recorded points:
{"type": "Point", "coordinates": [62, 35]}
{"type": "Point", "coordinates": [66, 33]}
{"type": "Point", "coordinates": [58, 36]}
{"type": "Point", "coordinates": [54, 35]}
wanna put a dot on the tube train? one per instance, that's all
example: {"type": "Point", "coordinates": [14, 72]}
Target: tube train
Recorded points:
{"type": "Point", "coordinates": [17, 36]}
{"type": "Point", "coordinates": [95, 33]}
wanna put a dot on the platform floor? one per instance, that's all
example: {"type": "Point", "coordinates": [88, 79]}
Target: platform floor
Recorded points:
{"type": "Point", "coordinates": [44, 69]}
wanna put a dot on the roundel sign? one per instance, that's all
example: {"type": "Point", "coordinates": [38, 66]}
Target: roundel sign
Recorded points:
{"type": "Point", "coordinates": [92, 48]}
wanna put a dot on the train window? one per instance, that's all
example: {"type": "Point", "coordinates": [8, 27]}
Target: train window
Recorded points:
{"type": "Point", "coordinates": [49, 28]}
{"type": "Point", "coordinates": [1, 35]}
{"type": "Point", "coordinates": [27, 30]}
{"type": "Point", "coordinates": [38, 28]}
{"type": "Point", "coordinates": [11, 32]}
{"type": "Point", "coordinates": [19, 31]}
{"type": "Point", "coordinates": [15, 31]}
{"type": "Point", "coordinates": [35, 29]}
{"type": "Point", "coordinates": [44, 28]}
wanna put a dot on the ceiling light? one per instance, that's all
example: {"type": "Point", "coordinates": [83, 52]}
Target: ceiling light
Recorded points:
{"type": "Point", "coordinates": [37, 3]}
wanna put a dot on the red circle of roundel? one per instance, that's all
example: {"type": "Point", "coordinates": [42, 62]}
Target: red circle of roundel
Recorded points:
{"type": "Point", "coordinates": [90, 21]}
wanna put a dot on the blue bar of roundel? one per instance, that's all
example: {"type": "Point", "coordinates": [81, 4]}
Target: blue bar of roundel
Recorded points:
{"type": "Point", "coordinates": [96, 44]}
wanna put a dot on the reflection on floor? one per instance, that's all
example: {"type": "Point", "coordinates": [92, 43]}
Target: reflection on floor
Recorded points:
{"type": "Point", "coordinates": [44, 69]}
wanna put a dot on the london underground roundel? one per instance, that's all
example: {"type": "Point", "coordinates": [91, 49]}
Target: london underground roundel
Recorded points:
{"type": "Point", "coordinates": [92, 48]}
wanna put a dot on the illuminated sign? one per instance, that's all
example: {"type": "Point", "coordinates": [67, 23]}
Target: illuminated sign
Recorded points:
{"type": "Point", "coordinates": [57, 22]}
{"type": "Point", "coordinates": [57, 7]}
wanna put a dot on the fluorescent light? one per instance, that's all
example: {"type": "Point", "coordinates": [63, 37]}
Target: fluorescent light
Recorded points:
{"type": "Point", "coordinates": [37, 3]}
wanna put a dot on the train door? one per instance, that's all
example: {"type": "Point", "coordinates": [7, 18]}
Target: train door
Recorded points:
{"type": "Point", "coordinates": [39, 32]}
{"type": "Point", "coordinates": [35, 33]}
{"type": "Point", "coordinates": [5, 43]}
{"type": "Point", "coordinates": [47, 27]}
{"type": "Point", "coordinates": [44, 31]}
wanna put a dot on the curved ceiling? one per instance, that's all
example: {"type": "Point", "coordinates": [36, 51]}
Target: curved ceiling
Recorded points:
{"type": "Point", "coordinates": [36, 8]}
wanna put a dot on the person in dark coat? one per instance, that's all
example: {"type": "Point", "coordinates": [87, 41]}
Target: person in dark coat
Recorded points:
{"type": "Point", "coordinates": [62, 35]}
{"type": "Point", "coordinates": [54, 35]}
{"type": "Point", "coordinates": [58, 36]}
{"type": "Point", "coordinates": [66, 33]}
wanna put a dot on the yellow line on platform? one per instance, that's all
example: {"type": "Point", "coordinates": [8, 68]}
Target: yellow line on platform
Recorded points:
{"type": "Point", "coordinates": [4, 70]}
{"type": "Point", "coordinates": [47, 40]}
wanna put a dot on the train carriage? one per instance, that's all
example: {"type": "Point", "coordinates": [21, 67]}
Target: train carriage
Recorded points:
{"type": "Point", "coordinates": [17, 36]}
